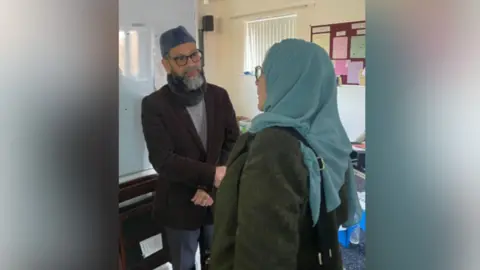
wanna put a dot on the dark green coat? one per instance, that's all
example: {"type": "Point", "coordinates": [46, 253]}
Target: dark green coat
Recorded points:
{"type": "Point", "coordinates": [262, 219]}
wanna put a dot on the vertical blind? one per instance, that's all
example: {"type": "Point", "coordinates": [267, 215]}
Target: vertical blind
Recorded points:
{"type": "Point", "coordinates": [262, 34]}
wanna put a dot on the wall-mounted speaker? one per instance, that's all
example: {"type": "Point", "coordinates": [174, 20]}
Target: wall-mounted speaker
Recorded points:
{"type": "Point", "coordinates": [207, 23]}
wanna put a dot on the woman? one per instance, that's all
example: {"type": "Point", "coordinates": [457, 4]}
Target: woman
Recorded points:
{"type": "Point", "coordinates": [277, 207]}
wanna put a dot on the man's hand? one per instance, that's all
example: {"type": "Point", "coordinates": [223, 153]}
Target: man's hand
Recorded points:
{"type": "Point", "coordinates": [219, 175]}
{"type": "Point", "coordinates": [202, 198]}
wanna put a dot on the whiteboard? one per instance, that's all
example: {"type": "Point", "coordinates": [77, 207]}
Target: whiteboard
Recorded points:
{"type": "Point", "coordinates": [141, 22]}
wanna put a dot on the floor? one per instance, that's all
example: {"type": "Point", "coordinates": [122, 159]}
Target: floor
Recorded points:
{"type": "Point", "coordinates": [354, 256]}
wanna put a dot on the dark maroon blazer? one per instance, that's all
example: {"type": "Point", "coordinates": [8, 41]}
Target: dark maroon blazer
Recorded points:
{"type": "Point", "coordinates": [177, 154]}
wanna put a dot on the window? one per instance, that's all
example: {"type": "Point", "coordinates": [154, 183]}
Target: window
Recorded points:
{"type": "Point", "coordinates": [134, 54]}
{"type": "Point", "coordinates": [262, 34]}
{"type": "Point", "coordinates": [121, 52]}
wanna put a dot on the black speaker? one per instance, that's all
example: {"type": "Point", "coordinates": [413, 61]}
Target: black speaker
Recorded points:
{"type": "Point", "coordinates": [207, 23]}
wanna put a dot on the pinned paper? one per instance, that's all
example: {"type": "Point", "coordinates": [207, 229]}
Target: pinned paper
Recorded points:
{"type": "Point", "coordinates": [340, 47]}
{"type": "Point", "coordinates": [151, 245]}
{"type": "Point", "coordinates": [339, 81]}
{"type": "Point", "coordinates": [357, 48]}
{"type": "Point", "coordinates": [354, 72]}
{"type": "Point", "coordinates": [358, 25]}
{"type": "Point", "coordinates": [321, 29]}
{"type": "Point", "coordinates": [362, 77]}
{"type": "Point", "coordinates": [322, 40]}
{"type": "Point", "coordinates": [361, 81]}
{"type": "Point", "coordinates": [341, 67]}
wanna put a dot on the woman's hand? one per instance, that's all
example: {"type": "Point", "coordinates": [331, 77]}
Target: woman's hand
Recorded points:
{"type": "Point", "coordinates": [219, 175]}
{"type": "Point", "coordinates": [202, 198]}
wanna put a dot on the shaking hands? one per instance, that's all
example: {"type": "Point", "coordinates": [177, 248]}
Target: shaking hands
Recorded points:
{"type": "Point", "coordinates": [202, 198]}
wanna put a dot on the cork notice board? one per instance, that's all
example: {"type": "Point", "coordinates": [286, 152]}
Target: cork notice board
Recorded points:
{"type": "Point", "coordinates": [346, 44]}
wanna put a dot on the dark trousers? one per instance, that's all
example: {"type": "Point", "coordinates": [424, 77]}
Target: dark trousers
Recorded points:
{"type": "Point", "coordinates": [183, 245]}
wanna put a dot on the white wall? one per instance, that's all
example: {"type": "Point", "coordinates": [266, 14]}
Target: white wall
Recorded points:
{"type": "Point", "coordinates": [351, 107]}
{"type": "Point", "coordinates": [224, 48]}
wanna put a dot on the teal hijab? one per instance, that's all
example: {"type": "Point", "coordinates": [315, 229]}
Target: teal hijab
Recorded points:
{"type": "Point", "coordinates": [302, 94]}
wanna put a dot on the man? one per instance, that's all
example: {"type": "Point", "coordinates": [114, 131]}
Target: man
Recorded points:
{"type": "Point", "coordinates": [190, 128]}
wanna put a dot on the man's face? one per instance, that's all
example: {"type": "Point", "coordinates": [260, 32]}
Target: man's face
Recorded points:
{"type": "Point", "coordinates": [184, 61]}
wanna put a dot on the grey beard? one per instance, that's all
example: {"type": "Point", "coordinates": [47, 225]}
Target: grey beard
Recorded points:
{"type": "Point", "coordinates": [193, 83]}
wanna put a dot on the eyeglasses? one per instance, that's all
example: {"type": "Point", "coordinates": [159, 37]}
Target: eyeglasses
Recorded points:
{"type": "Point", "coordinates": [258, 72]}
{"type": "Point", "coordinates": [182, 60]}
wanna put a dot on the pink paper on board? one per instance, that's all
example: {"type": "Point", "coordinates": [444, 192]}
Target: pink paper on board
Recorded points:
{"type": "Point", "coordinates": [340, 47]}
{"type": "Point", "coordinates": [341, 67]}
{"type": "Point", "coordinates": [354, 69]}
